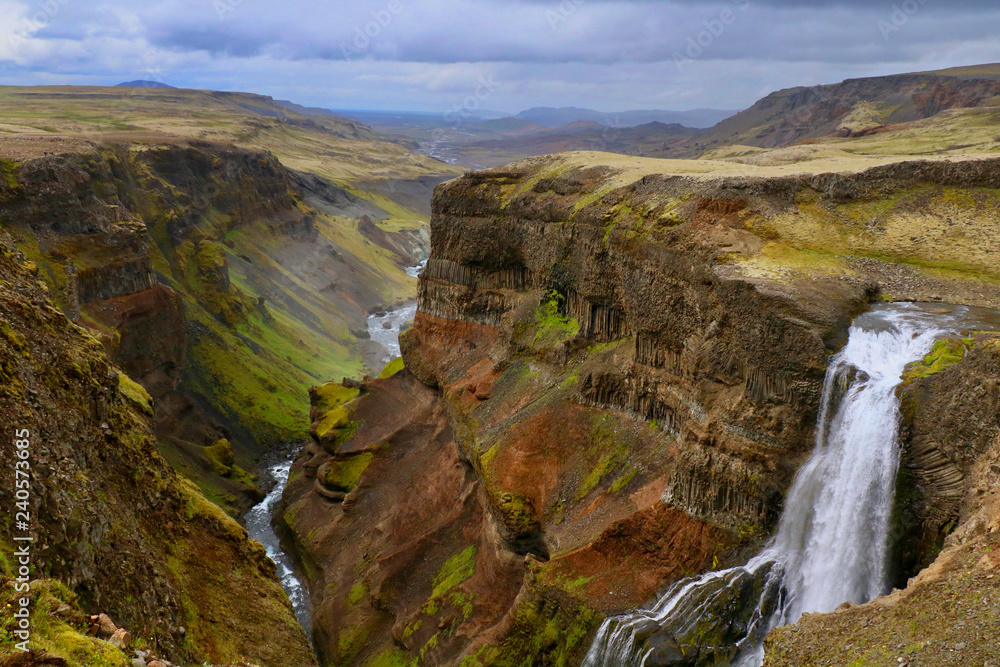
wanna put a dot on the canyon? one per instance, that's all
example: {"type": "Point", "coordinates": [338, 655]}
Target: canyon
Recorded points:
{"type": "Point", "coordinates": [614, 376]}
{"type": "Point", "coordinates": [614, 373]}
{"type": "Point", "coordinates": [167, 303]}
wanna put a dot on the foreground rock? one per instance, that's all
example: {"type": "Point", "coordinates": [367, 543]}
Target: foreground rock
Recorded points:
{"type": "Point", "coordinates": [619, 373]}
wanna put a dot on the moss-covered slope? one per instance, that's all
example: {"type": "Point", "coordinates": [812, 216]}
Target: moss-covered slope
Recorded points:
{"type": "Point", "coordinates": [116, 530]}
{"type": "Point", "coordinates": [225, 283]}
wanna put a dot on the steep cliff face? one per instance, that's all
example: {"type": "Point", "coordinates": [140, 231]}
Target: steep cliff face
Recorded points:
{"type": "Point", "coordinates": [223, 282]}
{"type": "Point", "coordinates": [621, 374]}
{"type": "Point", "coordinates": [115, 529]}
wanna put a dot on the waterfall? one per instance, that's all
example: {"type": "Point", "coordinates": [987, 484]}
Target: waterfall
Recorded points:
{"type": "Point", "coordinates": [833, 537]}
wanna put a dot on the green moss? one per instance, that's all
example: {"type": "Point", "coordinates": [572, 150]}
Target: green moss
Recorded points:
{"type": "Point", "coordinates": [345, 474]}
{"type": "Point", "coordinates": [456, 569]}
{"type": "Point", "coordinates": [14, 339]}
{"type": "Point", "coordinates": [331, 395]}
{"type": "Point", "coordinates": [392, 368]}
{"type": "Point", "coordinates": [544, 632]}
{"type": "Point", "coordinates": [411, 628]}
{"type": "Point", "coordinates": [351, 640]}
{"type": "Point", "coordinates": [516, 513]}
{"type": "Point", "coordinates": [391, 657]}
{"type": "Point", "coordinates": [612, 452]}
{"type": "Point", "coordinates": [944, 354]}
{"type": "Point", "coordinates": [8, 173]}
{"type": "Point", "coordinates": [134, 392]}
{"type": "Point", "coordinates": [339, 417]}
{"type": "Point", "coordinates": [623, 480]}
{"type": "Point", "coordinates": [222, 456]}
{"type": "Point", "coordinates": [358, 591]}
{"type": "Point", "coordinates": [54, 634]}
{"type": "Point", "coordinates": [551, 327]}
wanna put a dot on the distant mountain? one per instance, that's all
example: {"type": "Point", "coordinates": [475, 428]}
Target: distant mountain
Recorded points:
{"type": "Point", "coordinates": [849, 108]}
{"type": "Point", "coordinates": [552, 117]}
{"type": "Point", "coordinates": [143, 83]}
{"type": "Point", "coordinates": [585, 135]}
{"type": "Point", "coordinates": [305, 111]}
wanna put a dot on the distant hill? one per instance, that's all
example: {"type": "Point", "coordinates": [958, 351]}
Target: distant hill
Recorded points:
{"type": "Point", "coordinates": [583, 135]}
{"type": "Point", "coordinates": [143, 83]}
{"type": "Point", "coordinates": [305, 111]}
{"type": "Point", "coordinates": [849, 108]}
{"type": "Point", "coordinates": [553, 117]}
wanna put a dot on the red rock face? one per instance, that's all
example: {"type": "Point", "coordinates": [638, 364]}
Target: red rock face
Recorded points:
{"type": "Point", "coordinates": [151, 329]}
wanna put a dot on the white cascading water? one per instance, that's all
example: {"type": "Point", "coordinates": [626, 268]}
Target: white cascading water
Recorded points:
{"type": "Point", "coordinates": [832, 541]}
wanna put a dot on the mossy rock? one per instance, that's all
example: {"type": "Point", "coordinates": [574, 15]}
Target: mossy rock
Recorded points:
{"type": "Point", "coordinates": [345, 474]}
{"type": "Point", "coordinates": [945, 353]}
{"type": "Point", "coordinates": [336, 428]}
{"type": "Point", "coordinates": [14, 339]}
{"type": "Point", "coordinates": [222, 456]}
{"type": "Point", "coordinates": [546, 631]}
{"type": "Point", "coordinates": [455, 570]}
{"type": "Point", "coordinates": [135, 393]}
{"type": "Point", "coordinates": [391, 368]}
{"type": "Point", "coordinates": [517, 514]}
{"type": "Point", "coordinates": [551, 327]}
{"type": "Point", "coordinates": [328, 396]}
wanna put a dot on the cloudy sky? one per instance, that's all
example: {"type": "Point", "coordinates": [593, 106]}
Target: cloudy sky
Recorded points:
{"type": "Point", "coordinates": [430, 55]}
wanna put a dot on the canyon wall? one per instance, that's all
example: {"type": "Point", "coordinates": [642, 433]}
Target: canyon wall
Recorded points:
{"type": "Point", "coordinates": [199, 265]}
{"type": "Point", "coordinates": [116, 530]}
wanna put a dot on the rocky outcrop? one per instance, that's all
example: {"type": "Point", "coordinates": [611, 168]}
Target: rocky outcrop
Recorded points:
{"type": "Point", "coordinates": [116, 531]}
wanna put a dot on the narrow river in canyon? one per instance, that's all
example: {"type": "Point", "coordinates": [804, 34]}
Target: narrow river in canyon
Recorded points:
{"type": "Point", "coordinates": [259, 519]}
{"type": "Point", "coordinates": [832, 540]}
